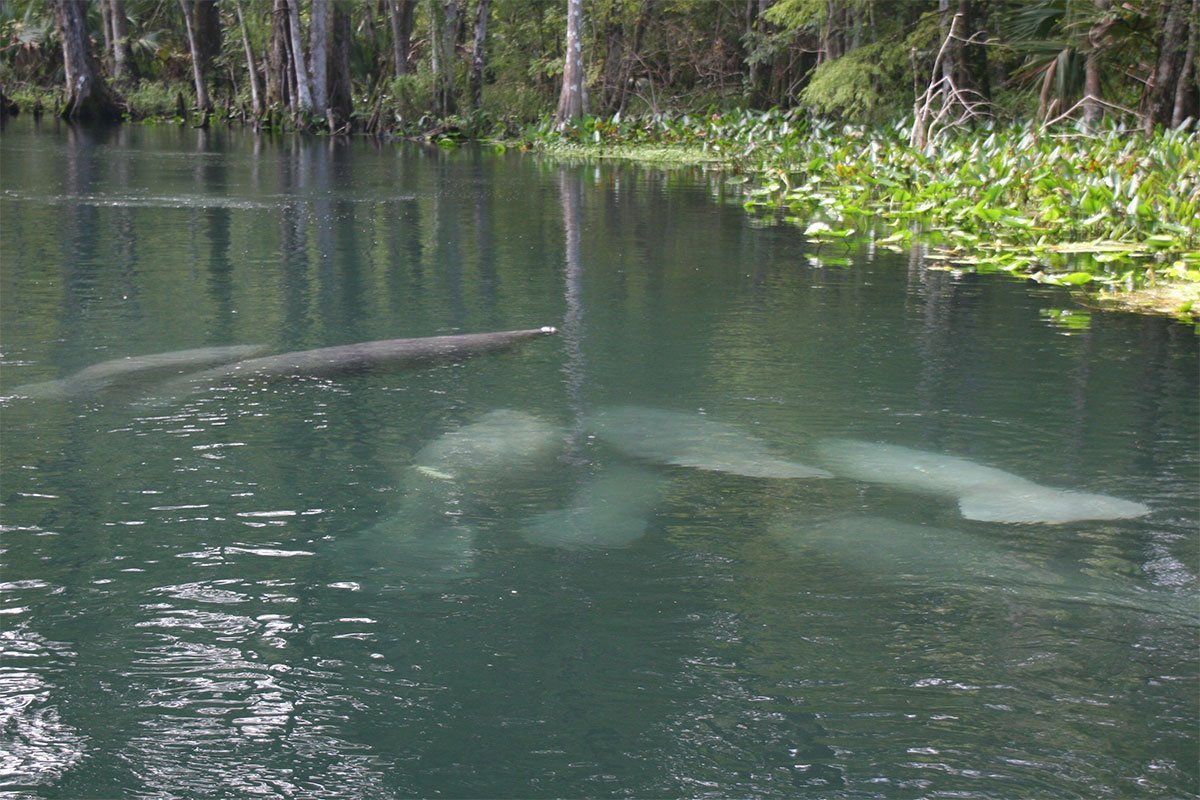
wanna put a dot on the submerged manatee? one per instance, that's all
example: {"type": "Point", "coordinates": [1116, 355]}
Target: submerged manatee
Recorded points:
{"type": "Point", "coordinates": [499, 445]}
{"type": "Point", "coordinates": [890, 550]}
{"type": "Point", "coordinates": [894, 550]}
{"type": "Point", "coordinates": [1034, 503]}
{"type": "Point", "coordinates": [610, 510]}
{"type": "Point", "coordinates": [412, 552]}
{"type": "Point", "coordinates": [350, 359]}
{"type": "Point", "coordinates": [453, 483]}
{"type": "Point", "coordinates": [984, 493]}
{"type": "Point", "coordinates": [693, 440]}
{"type": "Point", "coordinates": [125, 371]}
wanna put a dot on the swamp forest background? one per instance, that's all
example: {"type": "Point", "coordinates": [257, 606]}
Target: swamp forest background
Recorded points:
{"type": "Point", "coordinates": [488, 67]}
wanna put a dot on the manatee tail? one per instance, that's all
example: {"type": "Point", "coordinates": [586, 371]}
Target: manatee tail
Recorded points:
{"type": "Point", "coordinates": [45, 390]}
{"type": "Point", "coordinates": [408, 552]}
{"type": "Point", "coordinates": [1040, 504]}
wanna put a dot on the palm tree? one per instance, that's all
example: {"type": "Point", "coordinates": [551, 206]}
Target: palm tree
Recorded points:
{"type": "Point", "coordinates": [1075, 52]}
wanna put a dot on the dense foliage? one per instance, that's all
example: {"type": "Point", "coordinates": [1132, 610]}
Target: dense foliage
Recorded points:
{"type": "Point", "coordinates": [478, 65]}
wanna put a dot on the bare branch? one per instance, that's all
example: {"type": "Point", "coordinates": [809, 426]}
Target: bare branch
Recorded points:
{"type": "Point", "coordinates": [944, 95]}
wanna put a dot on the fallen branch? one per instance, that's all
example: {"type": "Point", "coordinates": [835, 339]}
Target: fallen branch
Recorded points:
{"type": "Point", "coordinates": [1083, 101]}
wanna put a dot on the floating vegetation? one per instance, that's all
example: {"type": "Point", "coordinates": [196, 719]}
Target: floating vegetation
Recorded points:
{"type": "Point", "coordinates": [1110, 211]}
{"type": "Point", "coordinates": [1068, 320]}
{"type": "Point", "coordinates": [1113, 209]}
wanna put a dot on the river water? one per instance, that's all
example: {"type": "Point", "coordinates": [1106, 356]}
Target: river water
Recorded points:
{"type": "Point", "coordinates": [765, 518]}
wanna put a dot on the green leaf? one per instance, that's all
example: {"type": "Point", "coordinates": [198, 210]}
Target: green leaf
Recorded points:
{"type": "Point", "coordinates": [1161, 240]}
{"type": "Point", "coordinates": [1077, 278]}
{"type": "Point", "coordinates": [1066, 318]}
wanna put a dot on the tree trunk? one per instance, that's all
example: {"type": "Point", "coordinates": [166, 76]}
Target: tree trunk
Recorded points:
{"type": "Point", "coordinates": [477, 53]}
{"type": "Point", "coordinates": [749, 36]}
{"type": "Point", "coordinates": [757, 70]}
{"type": "Point", "coordinates": [277, 84]}
{"type": "Point", "coordinates": [1044, 104]}
{"type": "Point", "coordinates": [251, 68]}
{"type": "Point", "coordinates": [632, 53]}
{"type": "Point", "coordinates": [106, 27]}
{"type": "Point", "coordinates": [975, 72]}
{"type": "Point", "coordinates": [208, 31]}
{"type": "Point", "coordinates": [952, 57]}
{"type": "Point", "coordinates": [622, 44]}
{"type": "Point", "coordinates": [318, 55]}
{"type": "Point", "coordinates": [831, 40]}
{"type": "Point", "coordinates": [614, 57]}
{"type": "Point", "coordinates": [121, 56]}
{"type": "Point", "coordinates": [203, 105]}
{"type": "Point", "coordinates": [207, 21]}
{"type": "Point", "coordinates": [1158, 98]}
{"type": "Point", "coordinates": [400, 13]}
{"type": "Point", "coordinates": [443, 29]}
{"type": "Point", "coordinates": [274, 83]}
{"type": "Point", "coordinates": [304, 102]}
{"type": "Point", "coordinates": [1187, 91]}
{"type": "Point", "coordinates": [289, 72]}
{"type": "Point", "coordinates": [571, 101]}
{"type": "Point", "coordinates": [341, 89]}
{"type": "Point", "coordinates": [88, 96]}
{"type": "Point", "coordinates": [1093, 110]}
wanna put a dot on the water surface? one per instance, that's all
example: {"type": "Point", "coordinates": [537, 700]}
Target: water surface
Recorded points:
{"type": "Point", "coordinates": [306, 589]}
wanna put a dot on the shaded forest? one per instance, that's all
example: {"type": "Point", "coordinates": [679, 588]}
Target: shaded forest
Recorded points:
{"type": "Point", "coordinates": [482, 67]}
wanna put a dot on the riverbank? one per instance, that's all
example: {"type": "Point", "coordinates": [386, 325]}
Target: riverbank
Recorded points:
{"type": "Point", "coordinates": [1114, 214]}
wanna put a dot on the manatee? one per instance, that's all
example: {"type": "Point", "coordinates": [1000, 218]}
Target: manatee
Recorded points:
{"type": "Point", "coordinates": [349, 359]}
{"type": "Point", "coordinates": [984, 493]}
{"type": "Point", "coordinates": [611, 509]}
{"type": "Point", "coordinates": [411, 551]}
{"type": "Point", "coordinates": [447, 490]}
{"type": "Point", "coordinates": [124, 371]}
{"type": "Point", "coordinates": [693, 440]}
{"type": "Point", "coordinates": [891, 550]}
{"type": "Point", "coordinates": [501, 444]}
{"type": "Point", "coordinates": [903, 550]}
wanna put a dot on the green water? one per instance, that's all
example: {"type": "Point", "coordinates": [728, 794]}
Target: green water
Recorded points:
{"type": "Point", "coordinates": [251, 590]}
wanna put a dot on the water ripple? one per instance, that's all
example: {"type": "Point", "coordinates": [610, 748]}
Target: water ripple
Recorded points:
{"type": "Point", "coordinates": [36, 746]}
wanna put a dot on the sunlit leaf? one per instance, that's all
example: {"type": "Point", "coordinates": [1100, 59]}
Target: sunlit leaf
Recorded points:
{"type": "Point", "coordinates": [1160, 240]}
{"type": "Point", "coordinates": [1077, 278]}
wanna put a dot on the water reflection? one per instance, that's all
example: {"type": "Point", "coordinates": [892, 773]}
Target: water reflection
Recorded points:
{"type": "Point", "coordinates": [39, 747]}
{"type": "Point", "coordinates": [220, 707]}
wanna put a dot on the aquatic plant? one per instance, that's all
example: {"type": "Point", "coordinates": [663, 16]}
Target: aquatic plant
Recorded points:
{"type": "Point", "coordinates": [1017, 199]}
{"type": "Point", "coordinates": [1112, 209]}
